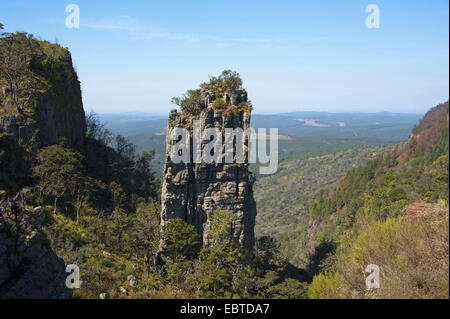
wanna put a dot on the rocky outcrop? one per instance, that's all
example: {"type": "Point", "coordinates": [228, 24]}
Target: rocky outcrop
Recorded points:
{"type": "Point", "coordinates": [29, 268]}
{"type": "Point", "coordinates": [57, 111]}
{"type": "Point", "coordinates": [194, 191]}
{"type": "Point", "coordinates": [432, 128]}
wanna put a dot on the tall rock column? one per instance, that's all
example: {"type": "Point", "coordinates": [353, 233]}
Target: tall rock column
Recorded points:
{"type": "Point", "coordinates": [194, 191]}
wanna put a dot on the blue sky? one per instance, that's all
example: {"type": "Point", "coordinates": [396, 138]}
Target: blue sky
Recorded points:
{"type": "Point", "coordinates": [292, 55]}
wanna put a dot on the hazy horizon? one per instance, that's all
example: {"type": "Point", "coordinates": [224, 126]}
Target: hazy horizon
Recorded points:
{"type": "Point", "coordinates": [137, 112]}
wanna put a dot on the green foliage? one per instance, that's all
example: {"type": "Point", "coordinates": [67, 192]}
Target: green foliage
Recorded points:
{"type": "Point", "coordinates": [224, 270]}
{"type": "Point", "coordinates": [17, 51]}
{"type": "Point", "coordinates": [412, 254]}
{"type": "Point", "coordinates": [177, 270]}
{"type": "Point", "coordinates": [189, 102]}
{"type": "Point", "coordinates": [219, 104]}
{"type": "Point", "coordinates": [324, 286]}
{"type": "Point", "coordinates": [365, 215]}
{"type": "Point", "coordinates": [144, 234]}
{"type": "Point", "coordinates": [18, 224]}
{"type": "Point", "coordinates": [182, 240]}
{"type": "Point", "coordinates": [30, 68]}
{"type": "Point", "coordinates": [221, 228]}
{"type": "Point", "coordinates": [219, 264]}
{"type": "Point", "coordinates": [214, 271]}
{"type": "Point", "coordinates": [282, 198]}
{"type": "Point", "coordinates": [119, 166]}
{"type": "Point", "coordinates": [397, 193]}
{"type": "Point", "coordinates": [109, 248]}
{"type": "Point", "coordinates": [268, 255]}
{"type": "Point", "coordinates": [441, 148]}
{"type": "Point", "coordinates": [289, 289]}
{"type": "Point", "coordinates": [120, 222]}
{"type": "Point", "coordinates": [381, 189]}
{"type": "Point", "coordinates": [116, 230]}
{"type": "Point", "coordinates": [60, 175]}
{"type": "Point", "coordinates": [322, 251]}
{"type": "Point", "coordinates": [228, 81]}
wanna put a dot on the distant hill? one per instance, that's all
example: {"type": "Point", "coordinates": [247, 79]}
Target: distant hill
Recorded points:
{"type": "Point", "coordinates": [387, 127]}
{"type": "Point", "coordinates": [128, 124]}
{"type": "Point", "coordinates": [283, 198]}
{"type": "Point", "coordinates": [392, 212]}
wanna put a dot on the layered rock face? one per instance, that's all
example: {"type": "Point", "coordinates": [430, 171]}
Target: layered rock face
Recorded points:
{"type": "Point", "coordinates": [194, 191]}
{"type": "Point", "coordinates": [57, 111]}
{"type": "Point", "coordinates": [29, 268]}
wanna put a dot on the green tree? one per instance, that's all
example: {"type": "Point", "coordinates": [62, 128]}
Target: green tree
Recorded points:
{"type": "Point", "coordinates": [219, 104]}
{"type": "Point", "coordinates": [189, 102]}
{"type": "Point", "coordinates": [96, 130]}
{"type": "Point", "coordinates": [221, 232]}
{"type": "Point", "coordinates": [181, 240]}
{"type": "Point", "coordinates": [214, 272]}
{"type": "Point", "coordinates": [219, 262]}
{"type": "Point", "coordinates": [143, 177]}
{"type": "Point", "coordinates": [60, 174]}
{"type": "Point", "coordinates": [17, 51]}
{"type": "Point", "coordinates": [289, 289]}
{"type": "Point", "coordinates": [325, 285]}
{"type": "Point", "coordinates": [119, 197]}
{"type": "Point", "coordinates": [267, 253]}
{"type": "Point", "coordinates": [15, 220]}
{"type": "Point", "coordinates": [228, 81]}
{"type": "Point", "coordinates": [80, 187]}
{"type": "Point", "coordinates": [121, 222]}
{"type": "Point", "coordinates": [145, 233]}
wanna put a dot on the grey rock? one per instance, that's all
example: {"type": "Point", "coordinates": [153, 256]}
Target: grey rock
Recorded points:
{"type": "Point", "coordinates": [53, 118]}
{"type": "Point", "coordinates": [31, 270]}
{"type": "Point", "coordinates": [193, 191]}
{"type": "Point", "coordinates": [132, 280]}
{"type": "Point", "coordinates": [38, 216]}
{"type": "Point", "coordinates": [103, 295]}
{"type": "Point", "coordinates": [123, 291]}
{"type": "Point", "coordinates": [357, 294]}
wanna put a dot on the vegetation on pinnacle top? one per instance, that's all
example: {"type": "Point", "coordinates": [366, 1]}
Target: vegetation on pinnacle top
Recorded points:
{"type": "Point", "coordinates": [229, 81]}
{"type": "Point", "coordinates": [224, 92]}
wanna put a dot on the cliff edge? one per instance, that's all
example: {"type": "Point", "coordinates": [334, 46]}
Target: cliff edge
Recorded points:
{"type": "Point", "coordinates": [40, 96]}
